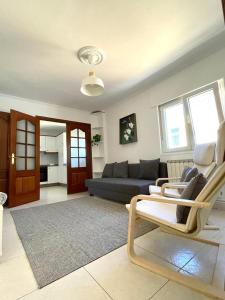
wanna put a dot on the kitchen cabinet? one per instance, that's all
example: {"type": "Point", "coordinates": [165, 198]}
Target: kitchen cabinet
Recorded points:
{"type": "Point", "coordinates": [42, 143]}
{"type": "Point", "coordinates": [51, 144]}
{"type": "Point", "coordinates": [63, 174]}
{"type": "Point", "coordinates": [53, 174]}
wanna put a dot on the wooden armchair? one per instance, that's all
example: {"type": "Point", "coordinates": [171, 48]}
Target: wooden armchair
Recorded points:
{"type": "Point", "coordinates": [162, 211]}
{"type": "Point", "coordinates": [206, 158]}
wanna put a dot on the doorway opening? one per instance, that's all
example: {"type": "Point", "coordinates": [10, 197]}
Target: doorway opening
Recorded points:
{"type": "Point", "coordinates": [53, 154]}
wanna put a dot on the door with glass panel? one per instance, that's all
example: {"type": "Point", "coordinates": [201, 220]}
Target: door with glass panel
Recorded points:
{"type": "Point", "coordinates": [24, 171]}
{"type": "Point", "coordinates": [78, 156]}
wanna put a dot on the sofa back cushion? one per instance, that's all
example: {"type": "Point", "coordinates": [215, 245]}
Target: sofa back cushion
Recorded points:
{"type": "Point", "coordinates": [133, 170]}
{"type": "Point", "coordinates": [149, 169]}
{"type": "Point", "coordinates": [163, 172]}
{"type": "Point", "coordinates": [108, 171]}
{"type": "Point", "coordinates": [120, 170]}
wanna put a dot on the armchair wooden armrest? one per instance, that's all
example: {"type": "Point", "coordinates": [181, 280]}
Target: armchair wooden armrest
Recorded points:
{"type": "Point", "coordinates": [172, 185]}
{"type": "Point", "coordinates": [162, 199]}
{"type": "Point", "coordinates": [168, 178]}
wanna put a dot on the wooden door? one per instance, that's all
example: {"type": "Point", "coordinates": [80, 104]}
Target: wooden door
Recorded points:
{"type": "Point", "coordinates": [79, 163]}
{"type": "Point", "coordinates": [24, 169]}
{"type": "Point", "coordinates": [4, 152]}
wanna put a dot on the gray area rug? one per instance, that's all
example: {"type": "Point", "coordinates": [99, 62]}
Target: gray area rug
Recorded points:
{"type": "Point", "coordinates": [62, 237]}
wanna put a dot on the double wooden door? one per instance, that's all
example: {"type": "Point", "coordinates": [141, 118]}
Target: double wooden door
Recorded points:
{"type": "Point", "coordinates": [20, 157]}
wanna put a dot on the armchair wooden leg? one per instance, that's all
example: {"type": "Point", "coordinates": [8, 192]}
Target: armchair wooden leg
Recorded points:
{"type": "Point", "coordinates": [195, 284]}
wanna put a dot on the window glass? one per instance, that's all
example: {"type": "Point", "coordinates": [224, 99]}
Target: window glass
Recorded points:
{"type": "Point", "coordinates": [204, 117]}
{"type": "Point", "coordinates": [74, 162]}
{"type": "Point", "coordinates": [74, 142]}
{"type": "Point", "coordinates": [82, 143]}
{"type": "Point", "coordinates": [82, 162]}
{"type": "Point", "coordinates": [82, 152]}
{"type": "Point", "coordinates": [175, 130]}
{"type": "Point", "coordinates": [74, 152]}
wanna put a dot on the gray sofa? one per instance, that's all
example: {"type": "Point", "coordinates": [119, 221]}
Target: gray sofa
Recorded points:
{"type": "Point", "coordinates": [123, 189]}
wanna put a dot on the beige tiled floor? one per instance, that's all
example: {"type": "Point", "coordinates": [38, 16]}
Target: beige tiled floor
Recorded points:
{"type": "Point", "coordinates": [111, 276]}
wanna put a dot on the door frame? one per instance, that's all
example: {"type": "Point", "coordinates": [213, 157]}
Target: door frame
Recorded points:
{"type": "Point", "coordinates": [67, 122]}
{"type": "Point", "coordinates": [6, 116]}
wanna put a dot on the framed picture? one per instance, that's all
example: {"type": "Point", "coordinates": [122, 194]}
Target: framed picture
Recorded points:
{"type": "Point", "coordinates": [128, 129]}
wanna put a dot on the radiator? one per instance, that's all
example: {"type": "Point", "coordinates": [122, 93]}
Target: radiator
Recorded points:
{"type": "Point", "coordinates": [175, 167]}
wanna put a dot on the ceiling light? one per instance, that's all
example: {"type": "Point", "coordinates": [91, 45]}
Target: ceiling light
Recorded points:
{"type": "Point", "coordinates": [91, 85]}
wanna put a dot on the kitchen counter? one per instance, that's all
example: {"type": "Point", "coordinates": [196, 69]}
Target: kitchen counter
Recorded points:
{"type": "Point", "coordinates": [49, 165]}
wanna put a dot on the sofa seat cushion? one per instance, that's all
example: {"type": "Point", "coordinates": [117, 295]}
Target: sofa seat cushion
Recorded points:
{"type": "Point", "coordinates": [130, 186]}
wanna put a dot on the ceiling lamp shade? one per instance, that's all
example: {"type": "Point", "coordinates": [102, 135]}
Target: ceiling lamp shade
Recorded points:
{"type": "Point", "coordinates": [92, 85]}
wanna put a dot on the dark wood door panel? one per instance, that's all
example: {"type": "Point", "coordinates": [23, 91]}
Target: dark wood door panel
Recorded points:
{"type": "Point", "coordinates": [24, 166]}
{"type": "Point", "coordinates": [79, 162]}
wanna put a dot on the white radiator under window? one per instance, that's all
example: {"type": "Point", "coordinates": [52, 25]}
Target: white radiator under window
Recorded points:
{"type": "Point", "coordinates": [175, 167]}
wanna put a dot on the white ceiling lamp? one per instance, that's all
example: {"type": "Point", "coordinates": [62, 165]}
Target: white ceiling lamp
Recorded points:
{"type": "Point", "coordinates": [91, 85]}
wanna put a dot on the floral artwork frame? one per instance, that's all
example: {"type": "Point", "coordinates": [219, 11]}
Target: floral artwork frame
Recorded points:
{"type": "Point", "coordinates": [128, 129]}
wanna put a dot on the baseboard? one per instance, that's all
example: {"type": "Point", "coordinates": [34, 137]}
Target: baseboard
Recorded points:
{"type": "Point", "coordinates": [220, 204]}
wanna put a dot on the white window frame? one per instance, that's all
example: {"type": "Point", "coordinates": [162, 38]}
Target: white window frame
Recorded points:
{"type": "Point", "coordinates": [188, 124]}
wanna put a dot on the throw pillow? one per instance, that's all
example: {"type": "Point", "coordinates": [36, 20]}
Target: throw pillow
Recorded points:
{"type": "Point", "coordinates": [108, 171]}
{"type": "Point", "coordinates": [190, 174]}
{"type": "Point", "coordinates": [120, 170]}
{"type": "Point", "coordinates": [191, 192]}
{"type": "Point", "coordinates": [187, 175]}
{"type": "Point", "coordinates": [184, 173]}
{"type": "Point", "coordinates": [149, 169]}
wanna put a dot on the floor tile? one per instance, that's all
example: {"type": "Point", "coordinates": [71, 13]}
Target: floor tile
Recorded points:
{"type": "Point", "coordinates": [78, 285]}
{"type": "Point", "coordinates": [124, 280]}
{"type": "Point", "coordinates": [217, 217]}
{"type": "Point", "coordinates": [174, 249]}
{"type": "Point", "coordinates": [174, 291]}
{"type": "Point", "coordinates": [16, 278]}
{"type": "Point", "coordinates": [12, 246]}
{"type": "Point", "coordinates": [203, 264]}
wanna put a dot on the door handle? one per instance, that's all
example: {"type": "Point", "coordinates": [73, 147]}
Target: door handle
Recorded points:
{"type": "Point", "coordinates": [13, 158]}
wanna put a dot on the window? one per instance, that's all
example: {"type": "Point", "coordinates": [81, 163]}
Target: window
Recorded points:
{"type": "Point", "coordinates": [25, 145]}
{"type": "Point", "coordinates": [191, 119]}
{"type": "Point", "coordinates": [78, 148]}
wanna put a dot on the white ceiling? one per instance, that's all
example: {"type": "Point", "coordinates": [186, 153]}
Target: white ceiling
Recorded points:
{"type": "Point", "coordinates": [39, 40]}
{"type": "Point", "coordinates": [51, 128]}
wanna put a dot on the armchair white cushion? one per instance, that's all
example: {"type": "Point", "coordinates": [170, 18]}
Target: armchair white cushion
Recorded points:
{"type": "Point", "coordinates": [204, 154]}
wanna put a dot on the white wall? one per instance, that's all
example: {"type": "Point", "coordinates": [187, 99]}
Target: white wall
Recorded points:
{"type": "Point", "coordinates": [201, 73]}
{"type": "Point", "coordinates": [32, 107]}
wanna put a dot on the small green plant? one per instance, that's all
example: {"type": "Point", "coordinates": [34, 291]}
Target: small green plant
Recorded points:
{"type": "Point", "coordinates": [96, 139]}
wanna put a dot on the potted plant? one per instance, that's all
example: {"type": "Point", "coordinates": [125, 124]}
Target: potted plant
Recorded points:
{"type": "Point", "coordinates": [96, 139]}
